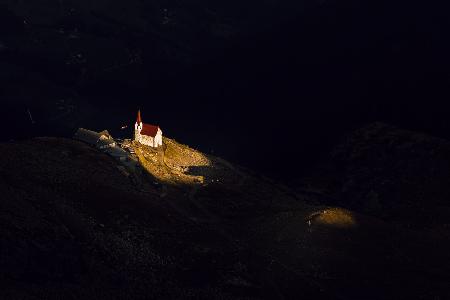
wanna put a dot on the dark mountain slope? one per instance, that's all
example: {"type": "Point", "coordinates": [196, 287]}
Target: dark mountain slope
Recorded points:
{"type": "Point", "coordinates": [74, 225]}
{"type": "Point", "coordinates": [353, 256]}
{"type": "Point", "coordinates": [391, 173]}
{"type": "Point", "coordinates": [71, 222]}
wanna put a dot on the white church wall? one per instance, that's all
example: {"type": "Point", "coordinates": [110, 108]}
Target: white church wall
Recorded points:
{"type": "Point", "coordinates": [137, 131]}
{"type": "Point", "coordinates": [158, 138]}
{"type": "Point", "coordinates": [147, 140]}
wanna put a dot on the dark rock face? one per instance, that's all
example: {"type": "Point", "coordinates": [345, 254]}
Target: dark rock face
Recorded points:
{"type": "Point", "coordinates": [313, 68]}
{"type": "Point", "coordinates": [390, 173]}
{"type": "Point", "coordinates": [11, 24]}
{"type": "Point", "coordinates": [69, 61]}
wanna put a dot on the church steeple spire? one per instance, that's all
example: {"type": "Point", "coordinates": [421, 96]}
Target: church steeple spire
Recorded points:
{"type": "Point", "coordinates": [139, 120]}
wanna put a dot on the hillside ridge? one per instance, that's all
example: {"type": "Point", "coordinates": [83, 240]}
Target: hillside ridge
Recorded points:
{"type": "Point", "coordinates": [72, 224]}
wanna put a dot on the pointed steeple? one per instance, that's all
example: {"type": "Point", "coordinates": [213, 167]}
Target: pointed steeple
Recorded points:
{"type": "Point", "coordinates": [139, 120]}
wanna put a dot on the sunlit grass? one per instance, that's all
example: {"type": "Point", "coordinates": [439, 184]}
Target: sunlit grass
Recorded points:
{"type": "Point", "coordinates": [334, 217]}
{"type": "Point", "coordinates": [174, 164]}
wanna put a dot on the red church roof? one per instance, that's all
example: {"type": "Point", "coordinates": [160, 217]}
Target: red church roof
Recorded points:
{"type": "Point", "coordinates": [150, 130]}
{"type": "Point", "coordinates": [147, 129]}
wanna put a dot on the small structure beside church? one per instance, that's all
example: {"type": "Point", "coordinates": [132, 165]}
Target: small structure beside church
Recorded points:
{"type": "Point", "coordinates": [146, 134]}
{"type": "Point", "coordinates": [105, 143]}
{"type": "Point", "coordinates": [101, 140]}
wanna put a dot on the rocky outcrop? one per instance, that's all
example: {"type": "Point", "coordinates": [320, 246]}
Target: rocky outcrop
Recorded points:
{"type": "Point", "coordinates": [391, 173]}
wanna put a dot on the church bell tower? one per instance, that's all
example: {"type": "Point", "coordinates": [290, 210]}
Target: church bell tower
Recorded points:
{"type": "Point", "coordinates": [138, 127]}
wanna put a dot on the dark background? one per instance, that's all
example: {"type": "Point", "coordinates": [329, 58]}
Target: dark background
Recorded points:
{"type": "Point", "coordinates": [269, 85]}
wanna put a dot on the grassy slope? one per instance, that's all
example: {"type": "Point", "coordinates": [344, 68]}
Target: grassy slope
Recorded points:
{"type": "Point", "coordinates": [73, 226]}
{"type": "Point", "coordinates": [353, 256]}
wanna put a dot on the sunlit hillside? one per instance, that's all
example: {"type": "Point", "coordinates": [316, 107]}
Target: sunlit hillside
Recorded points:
{"type": "Point", "coordinates": [174, 163]}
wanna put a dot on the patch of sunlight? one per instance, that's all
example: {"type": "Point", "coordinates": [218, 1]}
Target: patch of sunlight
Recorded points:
{"type": "Point", "coordinates": [175, 164]}
{"type": "Point", "coordinates": [335, 217]}
{"type": "Point", "coordinates": [182, 156]}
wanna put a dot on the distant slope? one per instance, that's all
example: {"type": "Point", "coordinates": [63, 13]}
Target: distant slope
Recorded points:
{"type": "Point", "coordinates": [391, 173]}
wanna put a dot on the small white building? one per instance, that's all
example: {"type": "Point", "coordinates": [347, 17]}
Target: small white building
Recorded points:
{"type": "Point", "coordinates": [146, 134]}
{"type": "Point", "coordinates": [101, 140]}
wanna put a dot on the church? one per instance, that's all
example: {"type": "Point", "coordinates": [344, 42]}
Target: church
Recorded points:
{"type": "Point", "coordinates": [146, 134]}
